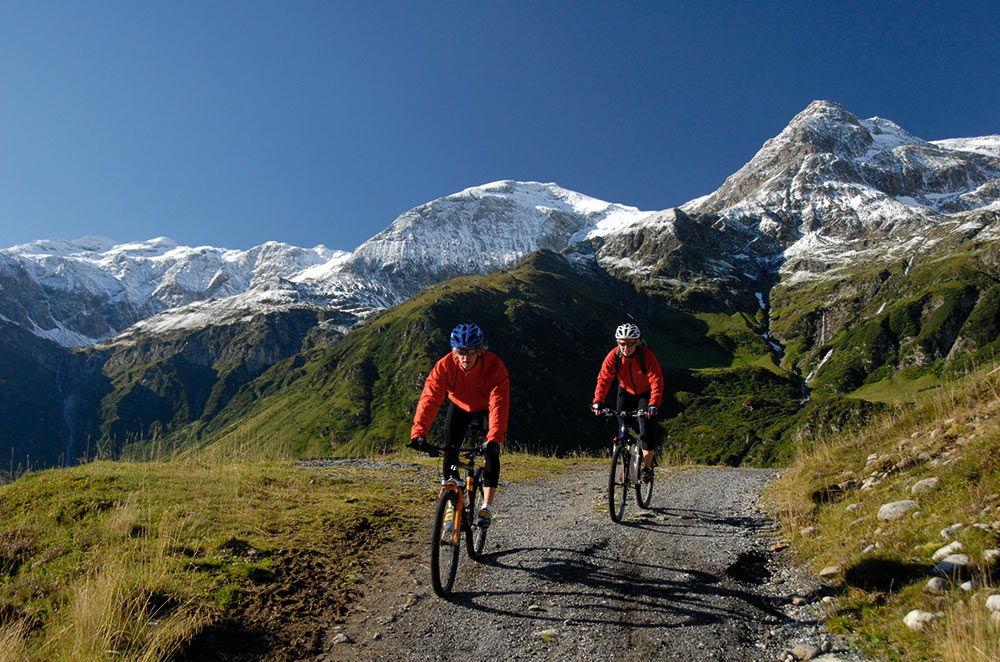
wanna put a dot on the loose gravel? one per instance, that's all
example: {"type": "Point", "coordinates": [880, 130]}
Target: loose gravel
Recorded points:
{"type": "Point", "coordinates": [693, 578]}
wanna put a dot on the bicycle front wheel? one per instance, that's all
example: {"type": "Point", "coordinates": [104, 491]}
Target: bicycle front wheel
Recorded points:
{"type": "Point", "coordinates": [444, 547]}
{"type": "Point", "coordinates": [475, 537]}
{"type": "Point", "coordinates": [618, 482]}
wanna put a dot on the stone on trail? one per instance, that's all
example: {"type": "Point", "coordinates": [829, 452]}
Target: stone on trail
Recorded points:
{"type": "Point", "coordinates": [805, 651]}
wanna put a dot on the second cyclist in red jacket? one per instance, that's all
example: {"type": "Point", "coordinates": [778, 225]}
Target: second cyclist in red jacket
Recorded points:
{"type": "Point", "coordinates": [640, 386]}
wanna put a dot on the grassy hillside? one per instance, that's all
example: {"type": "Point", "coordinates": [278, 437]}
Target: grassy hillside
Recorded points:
{"type": "Point", "coordinates": [937, 315]}
{"type": "Point", "coordinates": [829, 503]}
{"type": "Point", "coordinates": [552, 323]}
{"type": "Point", "coordinates": [150, 561]}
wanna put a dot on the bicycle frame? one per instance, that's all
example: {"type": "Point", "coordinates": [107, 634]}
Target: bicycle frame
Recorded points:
{"type": "Point", "coordinates": [626, 466]}
{"type": "Point", "coordinates": [463, 496]}
{"type": "Point", "coordinates": [452, 485]}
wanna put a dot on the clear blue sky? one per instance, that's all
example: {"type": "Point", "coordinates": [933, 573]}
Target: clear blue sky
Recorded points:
{"type": "Point", "coordinates": [319, 122]}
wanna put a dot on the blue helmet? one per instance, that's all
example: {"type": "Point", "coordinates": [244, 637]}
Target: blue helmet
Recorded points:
{"type": "Point", "coordinates": [466, 335]}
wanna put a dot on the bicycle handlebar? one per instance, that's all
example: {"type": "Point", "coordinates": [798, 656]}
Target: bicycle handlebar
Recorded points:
{"type": "Point", "coordinates": [470, 452]}
{"type": "Point", "coordinates": [613, 412]}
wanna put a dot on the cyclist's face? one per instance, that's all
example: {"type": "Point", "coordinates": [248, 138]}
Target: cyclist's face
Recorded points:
{"type": "Point", "coordinates": [467, 356]}
{"type": "Point", "coordinates": [627, 347]}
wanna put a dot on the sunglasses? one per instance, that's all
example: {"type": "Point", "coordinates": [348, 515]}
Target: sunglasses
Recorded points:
{"type": "Point", "coordinates": [626, 343]}
{"type": "Point", "coordinates": [466, 351]}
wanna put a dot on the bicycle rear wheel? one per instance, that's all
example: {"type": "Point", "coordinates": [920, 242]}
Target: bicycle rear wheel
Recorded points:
{"type": "Point", "coordinates": [444, 553]}
{"type": "Point", "coordinates": [475, 537]}
{"type": "Point", "coordinates": [643, 491]}
{"type": "Point", "coordinates": [618, 482]}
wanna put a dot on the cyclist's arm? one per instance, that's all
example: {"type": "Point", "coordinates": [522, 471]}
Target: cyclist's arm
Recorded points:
{"type": "Point", "coordinates": [605, 376]}
{"type": "Point", "coordinates": [499, 404]}
{"type": "Point", "coordinates": [434, 393]}
{"type": "Point", "coordinates": [655, 374]}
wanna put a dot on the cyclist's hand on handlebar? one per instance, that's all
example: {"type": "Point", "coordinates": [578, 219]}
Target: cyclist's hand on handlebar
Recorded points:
{"type": "Point", "coordinates": [596, 408]}
{"type": "Point", "coordinates": [491, 448]}
{"type": "Point", "coordinates": [650, 412]}
{"type": "Point", "coordinates": [418, 444]}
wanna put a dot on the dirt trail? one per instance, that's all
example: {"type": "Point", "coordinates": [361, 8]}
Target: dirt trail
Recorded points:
{"type": "Point", "coordinates": [692, 578]}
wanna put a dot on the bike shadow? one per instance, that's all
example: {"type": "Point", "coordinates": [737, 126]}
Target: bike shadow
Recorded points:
{"type": "Point", "coordinates": [589, 587]}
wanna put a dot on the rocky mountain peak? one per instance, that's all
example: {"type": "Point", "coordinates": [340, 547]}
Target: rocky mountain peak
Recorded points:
{"type": "Point", "coordinates": [828, 169]}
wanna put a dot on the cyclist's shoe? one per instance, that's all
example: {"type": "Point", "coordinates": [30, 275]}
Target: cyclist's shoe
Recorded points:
{"type": "Point", "coordinates": [448, 526]}
{"type": "Point", "coordinates": [485, 518]}
{"type": "Point", "coordinates": [647, 475]}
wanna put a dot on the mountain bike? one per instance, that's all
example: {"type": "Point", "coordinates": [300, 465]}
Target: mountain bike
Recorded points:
{"type": "Point", "coordinates": [626, 466]}
{"type": "Point", "coordinates": [445, 546]}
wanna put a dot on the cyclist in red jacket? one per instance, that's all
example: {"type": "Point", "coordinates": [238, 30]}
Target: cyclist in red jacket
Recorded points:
{"type": "Point", "coordinates": [640, 386]}
{"type": "Point", "coordinates": [476, 383]}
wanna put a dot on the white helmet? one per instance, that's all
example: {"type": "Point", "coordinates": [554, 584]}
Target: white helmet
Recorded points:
{"type": "Point", "coordinates": [627, 331]}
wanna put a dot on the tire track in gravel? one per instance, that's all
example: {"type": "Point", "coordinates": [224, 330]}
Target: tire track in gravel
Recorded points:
{"type": "Point", "coordinates": [688, 579]}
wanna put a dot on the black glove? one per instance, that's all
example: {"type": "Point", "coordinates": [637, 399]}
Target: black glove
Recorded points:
{"type": "Point", "coordinates": [650, 412]}
{"type": "Point", "coordinates": [418, 444]}
{"type": "Point", "coordinates": [596, 408]}
{"type": "Point", "coordinates": [491, 448]}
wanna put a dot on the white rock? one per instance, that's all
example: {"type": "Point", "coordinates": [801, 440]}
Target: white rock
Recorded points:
{"type": "Point", "coordinates": [917, 619]}
{"type": "Point", "coordinates": [925, 485]}
{"type": "Point", "coordinates": [896, 510]}
{"type": "Point", "coordinates": [805, 651]}
{"type": "Point", "coordinates": [947, 550]}
{"type": "Point", "coordinates": [936, 586]}
{"type": "Point", "coordinates": [951, 564]}
{"type": "Point", "coordinates": [991, 556]}
{"type": "Point", "coordinates": [970, 585]}
{"type": "Point", "coordinates": [830, 571]}
{"type": "Point", "coordinates": [951, 530]}
{"type": "Point", "coordinates": [993, 603]}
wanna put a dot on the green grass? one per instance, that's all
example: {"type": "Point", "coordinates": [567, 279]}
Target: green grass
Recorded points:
{"type": "Point", "coordinates": [139, 557]}
{"type": "Point", "coordinates": [952, 433]}
{"type": "Point", "coordinates": [142, 557]}
{"type": "Point", "coordinates": [899, 388]}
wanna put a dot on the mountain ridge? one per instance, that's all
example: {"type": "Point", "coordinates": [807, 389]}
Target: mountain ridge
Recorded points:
{"type": "Point", "coordinates": [844, 251]}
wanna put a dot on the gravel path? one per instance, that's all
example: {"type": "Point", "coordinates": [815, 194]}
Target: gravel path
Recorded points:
{"type": "Point", "coordinates": [694, 578]}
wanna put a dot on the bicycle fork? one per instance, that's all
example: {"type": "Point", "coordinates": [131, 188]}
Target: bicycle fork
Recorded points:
{"type": "Point", "coordinates": [452, 485]}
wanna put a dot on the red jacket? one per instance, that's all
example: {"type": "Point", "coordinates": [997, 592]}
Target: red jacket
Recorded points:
{"type": "Point", "coordinates": [636, 376]}
{"type": "Point", "coordinates": [486, 386]}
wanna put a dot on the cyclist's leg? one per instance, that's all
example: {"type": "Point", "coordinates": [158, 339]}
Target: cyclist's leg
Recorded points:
{"type": "Point", "coordinates": [647, 431]}
{"type": "Point", "coordinates": [456, 423]}
{"type": "Point", "coordinates": [491, 476]}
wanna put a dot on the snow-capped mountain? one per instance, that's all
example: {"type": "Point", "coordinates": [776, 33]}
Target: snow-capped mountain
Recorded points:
{"type": "Point", "coordinates": [84, 291]}
{"type": "Point", "coordinates": [814, 198]}
{"type": "Point", "coordinates": [831, 190]}
{"type": "Point", "coordinates": [79, 292]}
{"type": "Point", "coordinates": [809, 251]}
